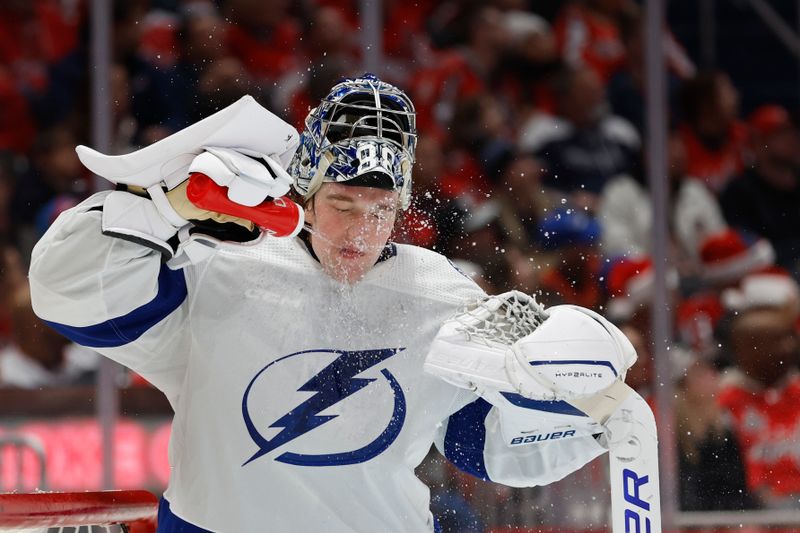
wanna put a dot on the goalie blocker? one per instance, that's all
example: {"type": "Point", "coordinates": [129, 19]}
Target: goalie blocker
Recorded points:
{"type": "Point", "coordinates": [199, 187]}
{"type": "Point", "coordinates": [558, 373]}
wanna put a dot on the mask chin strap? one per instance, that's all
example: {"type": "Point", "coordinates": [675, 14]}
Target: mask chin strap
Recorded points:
{"type": "Point", "coordinates": [319, 176]}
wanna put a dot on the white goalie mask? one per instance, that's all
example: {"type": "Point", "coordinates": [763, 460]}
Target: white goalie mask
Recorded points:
{"type": "Point", "coordinates": [362, 133]}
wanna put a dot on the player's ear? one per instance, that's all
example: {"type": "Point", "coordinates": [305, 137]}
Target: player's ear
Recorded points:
{"type": "Point", "coordinates": [309, 211]}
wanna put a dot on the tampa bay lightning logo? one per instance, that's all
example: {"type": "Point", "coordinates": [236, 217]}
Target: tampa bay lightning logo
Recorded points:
{"type": "Point", "coordinates": [334, 383]}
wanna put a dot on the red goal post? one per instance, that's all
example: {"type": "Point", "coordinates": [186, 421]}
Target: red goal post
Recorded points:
{"type": "Point", "coordinates": [134, 510]}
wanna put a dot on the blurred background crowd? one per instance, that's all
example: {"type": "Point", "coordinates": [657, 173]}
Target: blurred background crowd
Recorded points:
{"type": "Point", "coordinates": [530, 174]}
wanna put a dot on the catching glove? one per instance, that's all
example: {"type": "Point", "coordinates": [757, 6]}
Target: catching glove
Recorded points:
{"type": "Point", "coordinates": [509, 342]}
{"type": "Point", "coordinates": [566, 361]}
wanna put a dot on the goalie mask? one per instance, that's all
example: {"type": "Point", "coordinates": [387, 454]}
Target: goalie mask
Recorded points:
{"type": "Point", "coordinates": [362, 133]}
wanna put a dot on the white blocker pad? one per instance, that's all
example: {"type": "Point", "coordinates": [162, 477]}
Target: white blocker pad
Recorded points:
{"type": "Point", "coordinates": [245, 124]}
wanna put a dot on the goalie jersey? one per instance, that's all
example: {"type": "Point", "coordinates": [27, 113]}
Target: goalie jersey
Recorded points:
{"type": "Point", "coordinates": [300, 403]}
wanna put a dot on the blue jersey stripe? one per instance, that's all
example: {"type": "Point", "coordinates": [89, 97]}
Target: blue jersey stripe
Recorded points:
{"type": "Point", "coordinates": [555, 406]}
{"type": "Point", "coordinates": [465, 438]}
{"type": "Point", "coordinates": [169, 523]}
{"type": "Point", "coordinates": [127, 328]}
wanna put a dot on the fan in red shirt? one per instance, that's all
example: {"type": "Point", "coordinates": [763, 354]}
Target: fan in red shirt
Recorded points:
{"type": "Point", "coordinates": [587, 33]}
{"type": "Point", "coordinates": [715, 140]}
{"type": "Point", "coordinates": [762, 394]}
{"type": "Point", "coordinates": [457, 74]}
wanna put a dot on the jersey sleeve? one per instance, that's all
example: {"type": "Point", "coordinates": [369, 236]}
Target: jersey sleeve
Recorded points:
{"type": "Point", "coordinates": [112, 295]}
{"type": "Point", "coordinates": [472, 439]}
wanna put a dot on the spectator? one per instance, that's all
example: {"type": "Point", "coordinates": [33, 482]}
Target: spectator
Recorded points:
{"type": "Point", "coordinates": [640, 375]}
{"type": "Point", "coordinates": [710, 463]}
{"type": "Point", "coordinates": [460, 73]}
{"type": "Point", "coordinates": [35, 37]}
{"type": "Point", "coordinates": [55, 175]}
{"type": "Point", "coordinates": [629, 284]}
{"type": "Point", "coordinates": [149, 46]}
{"type": "Point", "coordinates": [404, 36]}
{"type": "Point", "coordinates": [480, 129]}
{"type": "Point", "coordinates": [487, 42]}
{"type": "Point", "coordinates": [331, 51]}
{"type": "Point", "coordinates": [584, 146]}
{"type": "Point", "coordinates": [434, 219]}
{"type": "Point", "coordinates": [587, 34]}
{"type": "Point", "coordinates": [36, 356]}
{"type": "Point", "coordinates": [525, 200]}
{"type": "Point", "coordinates": [626, 88]}
{"type": "Point", "coordinates": [762, 395]}
{"type": "Point", "coordinates": [210, 66]}
{"type": "Point", "coordinates": [482, 234]}
{"type": "Point", "coordinates": [625, 210]}
{"type": "Point", "coordinates": [530, 62]}
{"type": "Point", "coordinates": [481, 237]}
{"type": "Point", "coordinates": [331, 35]}
{"type": "Point", "coordinates": [715, 140]}
{"type": "Point", "coordinates": [711, 473]}
{"type": "Point", "coordinates": [697, 320]}
{"type": "Point", "coordinates": [765, 200]}
{"type": "Point", "coordinates": [573, 237]}
{"type": "Point", "coordinates": [222, 83]}
{"type": "Point", "coordinates": [405, 40]}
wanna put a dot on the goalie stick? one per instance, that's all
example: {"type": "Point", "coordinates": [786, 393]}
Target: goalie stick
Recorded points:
{"type": "Point", "coordinates": [633, 467]}
{"type": "Point", "coordinates": [509, 346]}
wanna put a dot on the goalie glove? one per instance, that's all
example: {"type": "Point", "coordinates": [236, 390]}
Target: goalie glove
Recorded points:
{"type": "Point", "coordinates": [469, 350]}
{"type": "Point", "coordinates": [573, 355]}
{"type": "Point", "coordinates": [567, 362]}
{"type": "Point", "coordinates": [510, 343]}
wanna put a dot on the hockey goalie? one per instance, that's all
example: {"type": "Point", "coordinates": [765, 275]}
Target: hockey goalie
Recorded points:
{"type": "Point", "coordinates": [310, 361]}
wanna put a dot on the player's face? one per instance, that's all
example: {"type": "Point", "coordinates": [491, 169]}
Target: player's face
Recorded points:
{"type": "Point", "coordinates": [351, 226]}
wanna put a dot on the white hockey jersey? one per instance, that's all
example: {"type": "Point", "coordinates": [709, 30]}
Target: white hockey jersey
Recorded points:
{"type": "Point", "coordinates": [300, 403]}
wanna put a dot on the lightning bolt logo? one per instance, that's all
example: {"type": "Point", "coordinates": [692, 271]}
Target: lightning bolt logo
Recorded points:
{"type": "Point", "coordinates": [331, 385]}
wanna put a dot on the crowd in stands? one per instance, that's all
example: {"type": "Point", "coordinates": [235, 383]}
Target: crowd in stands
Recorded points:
{"type": "Point", "coordinates": [530, 174]}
